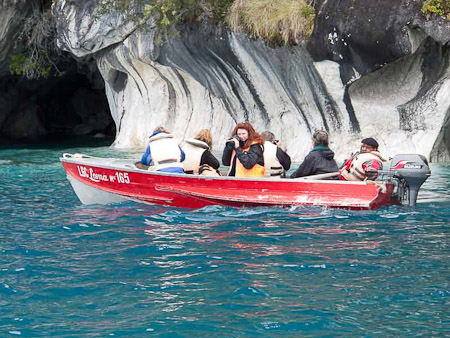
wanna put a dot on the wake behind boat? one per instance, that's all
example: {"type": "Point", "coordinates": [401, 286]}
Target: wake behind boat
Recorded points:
{"type": "Point", "coordinates": [110, 180]}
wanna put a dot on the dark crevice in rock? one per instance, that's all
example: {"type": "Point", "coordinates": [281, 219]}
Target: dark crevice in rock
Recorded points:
{"type": "Point", "coordinates": [172, 98]}
{"type": "Point", "coordinates": [441, 148]}
{"type": "Point", "coordinates": [435, 64]}
{"type": "Point", "coordinates": [118, 80]}
{"type": "Point", "coordinates": [354, 123]}
{"type": "Point", "coordinates": [187, 92]}
{"type": "Point", "coordinates": [435, 59]}
{"type": "Point", "coordinates": [205, 54]}
{"type": "Point", "coordinates": [192, 54]}
{"type": "Point", "coordinates": [251, 88]}
{"type": "Point", "coordinates": [317, 102]}
{"type": "Point", "coordinates": [234, 88]}
{"type": "Point", "coordinates": [120, 121]}
{"type": "Point", "coordinates": [140, 77]}
{"type": "Point", "coordinates": [347, 74]}
{"type": "Point", "coordinates": [324, 101]}
{"type": "Point", "coordinates": [55, 108]}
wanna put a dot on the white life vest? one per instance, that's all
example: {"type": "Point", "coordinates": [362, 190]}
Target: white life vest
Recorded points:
{"type": "Point", "coordinates": [355, 171]}
{"type": "Point", "coordinates": [272, 165]}
{"type": "Point", "coordinates": [165, 152]}
{"type": "Point", "coordinates": [193, 149]}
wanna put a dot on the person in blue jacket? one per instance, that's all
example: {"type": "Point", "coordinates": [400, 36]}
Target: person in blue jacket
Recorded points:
{"type": "Point", "coordinates": [163, 153]}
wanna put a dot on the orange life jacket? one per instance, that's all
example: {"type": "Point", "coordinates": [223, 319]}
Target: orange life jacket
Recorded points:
{"type": "Point", "coordinates": [256, 171]}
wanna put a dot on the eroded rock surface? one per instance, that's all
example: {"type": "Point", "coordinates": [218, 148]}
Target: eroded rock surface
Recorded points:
{"type": "Point", "coordinates": [372, 68]}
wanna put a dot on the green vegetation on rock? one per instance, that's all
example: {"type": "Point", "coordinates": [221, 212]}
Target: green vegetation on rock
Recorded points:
{"type": "Point", "coordinates": [28, 67]}
{"type": "Point", "coordinates": [169, 12]}
{"type": "Point", "coordinates": [437, 7]}
{"type": "Point", "coordinates": [276, 21]}
{"type": "Point", "coordinates": [38, 56]}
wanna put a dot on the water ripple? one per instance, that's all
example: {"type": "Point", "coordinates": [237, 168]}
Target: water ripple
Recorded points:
{"type": "Point", "coordinates": [131, 270]}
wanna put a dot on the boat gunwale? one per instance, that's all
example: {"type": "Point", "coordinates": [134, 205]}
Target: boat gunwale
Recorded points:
{"type": "Point", "coordinates": [229, 178]}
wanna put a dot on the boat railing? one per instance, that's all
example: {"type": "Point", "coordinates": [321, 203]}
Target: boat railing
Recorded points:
{"type": "Point", "coordinates": [125, 163]}
{"type": "Point", "coordinates": [317, 177]}
{"type": "Point", "coordinates": [77, 155]}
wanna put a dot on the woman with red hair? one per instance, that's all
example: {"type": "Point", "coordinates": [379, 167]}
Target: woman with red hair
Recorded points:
{"type": "Point", "coordinates": [244, 152]}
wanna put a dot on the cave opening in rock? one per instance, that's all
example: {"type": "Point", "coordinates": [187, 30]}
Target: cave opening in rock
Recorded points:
{"type": "Point", "coordinates": [70, 106]}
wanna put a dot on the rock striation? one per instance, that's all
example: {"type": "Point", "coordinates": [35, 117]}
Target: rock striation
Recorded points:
{"type": "Point", "coordinates": [394, 65]}
{"type": "Point", "coordinates": [371, 68]}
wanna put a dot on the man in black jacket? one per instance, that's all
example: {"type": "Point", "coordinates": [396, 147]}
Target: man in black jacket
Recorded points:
{"type": "Point", "coordinates": [320, 160]}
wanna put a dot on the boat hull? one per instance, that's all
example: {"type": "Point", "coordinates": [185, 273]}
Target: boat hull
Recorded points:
{"type": "Point", "coordinates": [101, 181]}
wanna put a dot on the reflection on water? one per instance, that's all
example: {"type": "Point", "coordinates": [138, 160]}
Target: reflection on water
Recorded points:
{"type": "Point", "coordinates": [131, 270]}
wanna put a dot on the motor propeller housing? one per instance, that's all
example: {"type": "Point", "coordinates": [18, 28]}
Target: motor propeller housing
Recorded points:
{"type": "Point", "coordinates": [413, 170]}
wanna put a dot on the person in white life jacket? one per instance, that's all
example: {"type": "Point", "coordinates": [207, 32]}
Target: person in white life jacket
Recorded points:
{"type": "Point", "coordinates": [163, 153]}
{"type": "Point", "coordinates": [198, 153]}
{"type": "Point", "coordinates": [320, 159]}
{"type": "Point", "coordinates": [365, 164]}
{"type": "Point", "coordinates": [244, 152]}
{"type": "Point", "coordinates": [276, 160]}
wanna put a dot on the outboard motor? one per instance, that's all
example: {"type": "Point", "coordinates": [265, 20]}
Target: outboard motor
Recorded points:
{"type": "Point", "coordinates": [411, 170]}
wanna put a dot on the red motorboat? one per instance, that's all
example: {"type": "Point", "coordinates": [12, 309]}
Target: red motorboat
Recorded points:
{"type": "Point", "coordinates": [110, 180]}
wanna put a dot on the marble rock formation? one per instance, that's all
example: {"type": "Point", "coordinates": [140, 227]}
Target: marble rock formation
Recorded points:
{"type": "Point", "coordinates": [372, 68]}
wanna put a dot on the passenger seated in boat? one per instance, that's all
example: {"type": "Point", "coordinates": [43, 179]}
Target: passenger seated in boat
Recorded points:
{"type": "Point", "coordinates": [320, 160]}
{"type": "Point", "coordinates": [198, 152]}
{"type": "Point", "coordinates": [163, 153]}
{"type": "Point", "coordinates": [244, 152]}
{"type": "Point", "coordinates": [363, 165]}
{"type": "Point", "coordinates": [276, 160]}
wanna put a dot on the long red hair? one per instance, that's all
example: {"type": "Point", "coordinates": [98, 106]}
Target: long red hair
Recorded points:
{"type": "Point", "coordinates": [253, 136]}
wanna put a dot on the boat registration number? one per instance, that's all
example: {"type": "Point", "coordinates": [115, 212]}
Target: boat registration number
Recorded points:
{"type": "Point", "coordinates": [90, 174]}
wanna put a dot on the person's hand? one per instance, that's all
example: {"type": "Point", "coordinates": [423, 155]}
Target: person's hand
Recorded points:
{"type": "Point", "coordinates": [236, 142]}
{"type": "Point", "coordinates": [233, 140]}
{"type": "Point", "coordinates": [280, 145]}
{"type": "Point", "coordinates": [139, 165]}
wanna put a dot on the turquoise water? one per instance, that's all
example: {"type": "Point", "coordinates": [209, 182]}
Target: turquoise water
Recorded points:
{"type": "Point", "coordinates": [132, 270]}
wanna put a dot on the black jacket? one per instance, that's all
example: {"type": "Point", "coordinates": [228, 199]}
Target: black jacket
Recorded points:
{"type": "Point", "coordinates": [319, 161]}
{"type": "Point", "coordinates": [284, 158]}
{"type": "Point", "coordinates": [210, 159]}
{"type": "Point", "coordinates": [248, 158]}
